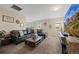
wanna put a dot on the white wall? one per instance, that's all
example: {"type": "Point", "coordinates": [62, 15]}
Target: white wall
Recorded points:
{"type": "Point", "coordinates": [11, 26]}
{"type": "Point", "coordinates": [53, 31]}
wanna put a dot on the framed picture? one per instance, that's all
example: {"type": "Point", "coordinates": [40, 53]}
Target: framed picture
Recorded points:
{"type": "Point", "coordinates": [7, 19]}
{"type": "Point", "coordinates": [45, 23]}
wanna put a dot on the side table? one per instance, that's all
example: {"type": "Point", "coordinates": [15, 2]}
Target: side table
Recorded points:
{"type": "Point", "coordinates": [1, 41]}
{"type": "Point", "coordinates": [4, 41]}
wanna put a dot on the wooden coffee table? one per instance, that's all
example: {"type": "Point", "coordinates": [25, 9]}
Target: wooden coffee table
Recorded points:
{"type": "Point", "coordinates": [33, 43]}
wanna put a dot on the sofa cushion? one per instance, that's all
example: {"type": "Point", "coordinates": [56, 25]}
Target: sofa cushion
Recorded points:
{"type": "Point", "coordinates": [21, 33]}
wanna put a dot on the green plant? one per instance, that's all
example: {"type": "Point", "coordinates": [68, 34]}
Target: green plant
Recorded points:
{"type": "Point", "coordinates": [1, 34]}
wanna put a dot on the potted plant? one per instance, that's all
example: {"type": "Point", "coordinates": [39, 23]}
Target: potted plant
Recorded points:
{"type": "Point", "coordinates": [1, 34]}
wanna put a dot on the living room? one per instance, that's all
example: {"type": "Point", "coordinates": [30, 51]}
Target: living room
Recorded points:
{"type": "Point", "coordinates": [12, 21]}
{"type": "Point", "coordinates": [35, 29]}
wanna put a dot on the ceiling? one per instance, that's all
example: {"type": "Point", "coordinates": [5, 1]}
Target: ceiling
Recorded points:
{"type": "Point", "coordinates": [35, 12]}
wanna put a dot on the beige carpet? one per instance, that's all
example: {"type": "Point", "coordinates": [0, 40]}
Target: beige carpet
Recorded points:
{"type": "Point", "coordinates": [51, 45]}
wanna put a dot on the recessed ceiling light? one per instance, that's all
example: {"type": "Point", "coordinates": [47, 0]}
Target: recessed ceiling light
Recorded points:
{"type": "Point", "coordinates": [55, 8]}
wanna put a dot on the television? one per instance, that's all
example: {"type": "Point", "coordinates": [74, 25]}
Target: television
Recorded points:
{"type": "Point", "coordinates": [71, 20]}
